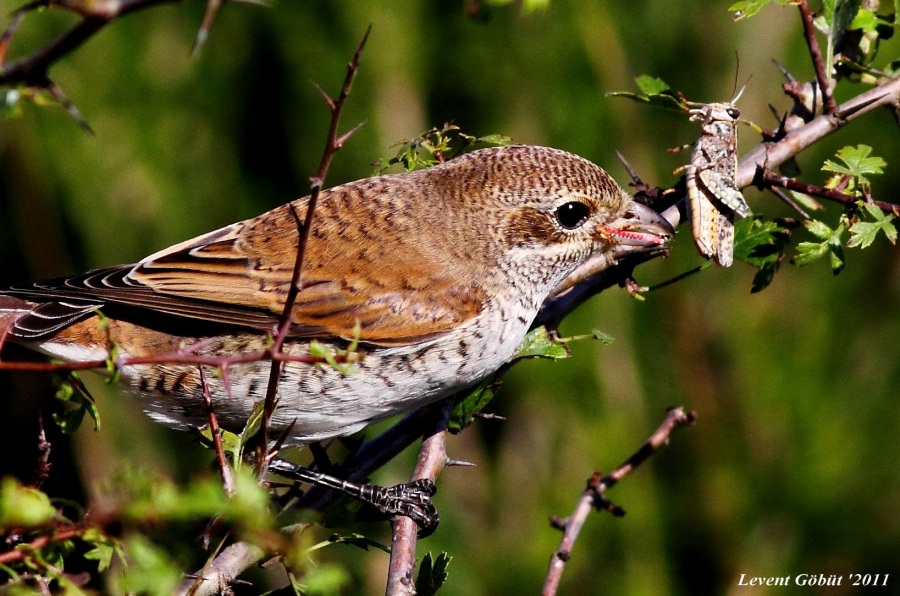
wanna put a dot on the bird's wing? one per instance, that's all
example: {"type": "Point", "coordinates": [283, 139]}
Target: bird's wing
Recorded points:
{"type": "Point", "coordinates": [399, 289]}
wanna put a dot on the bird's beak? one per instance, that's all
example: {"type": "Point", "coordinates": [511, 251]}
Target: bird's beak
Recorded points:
{"type": "Point", "coordinates": [639, 230]}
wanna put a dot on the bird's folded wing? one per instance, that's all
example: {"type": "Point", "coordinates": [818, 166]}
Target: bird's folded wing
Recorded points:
{"type": "Point", "coordinates": [240, 275]}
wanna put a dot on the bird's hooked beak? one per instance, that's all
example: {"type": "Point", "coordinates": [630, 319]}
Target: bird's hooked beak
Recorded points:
{"type": "Point", "coordinates": [640, 229]}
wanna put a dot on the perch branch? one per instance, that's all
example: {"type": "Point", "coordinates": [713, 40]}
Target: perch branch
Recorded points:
{"type": "Point", "coordinates": [594, 496]}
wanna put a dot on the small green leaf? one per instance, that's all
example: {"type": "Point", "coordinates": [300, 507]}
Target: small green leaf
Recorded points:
{"type": "Point", "coordinates": [857, 163]}
{"type": "Point", "coordinates": [818, 229]}
{"type": "Point", "coordinates": [325, 579]}
{"type": "Point", "coordinates": [494, 140]}
{"type": "Point", "coordinates": [807, 252]}
{"type": "Point", "coordinates": [23, 506]}
{"type": "Point", "coordinates": [863, 233]}
{"type": "Point", "coordinates": [748, 8]}
{"type": "Point", "coordinates": [761, 244]}
{"type": "Point", "coordinates": [539, 344]}
{"type": "Point", "coordinates": [465, 408]}
{"type": "Point", "coordinates": [432, 573]}
{"type": "Point", "coordinates": [605, 338]}
{"type": "Point", "coordinates": [651, 85]}
{"type": "Point", "coordinates": [653, 91]}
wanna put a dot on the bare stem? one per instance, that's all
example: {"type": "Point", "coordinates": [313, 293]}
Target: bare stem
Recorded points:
{"type": "Point", "coordinates": [594, 496]}
{"type": "Point", "coordinates": [333, 144]}
{"type": "Point", "coordinates": [432, 459]}
{"type": "Point", "coordinates": [809, 32]}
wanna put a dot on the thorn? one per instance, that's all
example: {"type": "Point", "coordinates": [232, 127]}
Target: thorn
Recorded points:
{"type": "Point", "coordinates": [631, 171]}
{"type": "Point", "coordinates": [456, 462]}
{"type": "Point", "coordinates": [559, 523]}
{"type": "Point", "coordinates": [339, 142]}
{"type": "Point", "coordinates": [56, 93]}
{"type": "Point", "coordinates": [489, 416]}
{"type": "Point", "coordinates": [784, 71]}
{"type": "Point", "coordinates": [212, 9]}
{"type": "Point", "coordinates": [327, 98]}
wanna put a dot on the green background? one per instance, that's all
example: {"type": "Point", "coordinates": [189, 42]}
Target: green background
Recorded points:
{"type": "Point", "coordinates": [793, 466]}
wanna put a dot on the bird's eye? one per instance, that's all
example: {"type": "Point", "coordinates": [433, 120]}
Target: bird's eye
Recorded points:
{"type": "Point", "coordinates": [572, 214]}
{"type": "Point", "coordinates": [734, 113]}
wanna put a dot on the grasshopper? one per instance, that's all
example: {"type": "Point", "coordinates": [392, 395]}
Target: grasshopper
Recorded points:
{"type": "Point", "coordinates": [713, 196]}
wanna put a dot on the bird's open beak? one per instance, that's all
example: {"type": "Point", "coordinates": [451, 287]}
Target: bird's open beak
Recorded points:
{"type": "Point", "coordinates": [639, 229]}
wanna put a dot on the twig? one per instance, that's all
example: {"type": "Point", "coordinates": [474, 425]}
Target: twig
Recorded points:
{"type": "Point", "coordinates": [34, 69]}
{"type": "Point", "coordinates": [432, 459]}
{"type": "Point", "coordinates": [809, 32]}
{"type": "Point", "coordinates": [43, 467]}
{"type": "Point", "coordinates": [333, 144]}
{"type": "Point", "coordinates": [769, 178]}
{"type": "Point", "coordinates": [225, 471]}
{"type": "Point", "coordinates": [771, 155]}
{"type": "Point", "coordinates": [594, 496]}
{"type": "Point", "coordinates": [221, 572]}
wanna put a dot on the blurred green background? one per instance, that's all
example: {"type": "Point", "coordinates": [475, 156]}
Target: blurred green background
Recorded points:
{"type": "Point", "coordinates": [793, 466]}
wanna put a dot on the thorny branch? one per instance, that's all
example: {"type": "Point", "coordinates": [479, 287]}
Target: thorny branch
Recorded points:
{"type": "Point", "coordinates": [33, 70]}
{"type": "Point", "coordinates": [333, 144]}
{"type": "Point", "coordinates": [594, 496]}
{"type": "Point", "coordinates": [822, 77]}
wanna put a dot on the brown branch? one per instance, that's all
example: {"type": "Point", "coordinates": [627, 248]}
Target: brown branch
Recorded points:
{"type": "Point", "coordinates": [225, 471]}
{"type": "Point", "coordinates": [332, 145]}
{"type": "Point", "coordinates": [43, 467]}
{"type": "Point", "coordinates": [432, 459]}
{"type": "Point", "coordinates": [22, 551]}
{"type": "Point", "coordinates": [822, 76]}
{"type": "Point", "coordinates": [770, 179]}
{"type": "Point", "coordinates": [34, 69]}
{"type": "Point", "coordinates": [594, 496]}
{"type": "Point", "coordinates": [771, 155]}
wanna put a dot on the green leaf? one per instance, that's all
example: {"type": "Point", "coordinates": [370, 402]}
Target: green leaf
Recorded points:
{"type": "Point", "coordinates": [863, 233]}
{"type": "Point", "coordinates": [843, 15]}
{"type": "Point", "coordinates": [465, 408]}
{"type": "Point", "coordinates": [807, 252]}
{"type": "Point", "coordinates": [832, 245]}
{"type": "Point", "coordinates": [818, 229]}
{"type": "Point", "coordinates": [651, 85]}
{"type": "Point", "coordinates": [857, 163]}
{"type": "Point", "coordinates": [432, 573]}
{"type": "Point", "coordinates": [605, 338]}
{"type": "Point", "coordinates": [77, 402]}
{"type": "Point", "coordinates": [748, 8]}
{"type": "Point", "coordinates": [150, 569]}
{"type": "Point", "coordinates": [653, 91]}
{"type": "Point", "coordinates": [325, 579]}
{"type": "Point", "coordinates": [23, 506]}
{"type": "Point", "coordinates": [538, 343]}
{"type": "Point", "coordinates": [761, 244]}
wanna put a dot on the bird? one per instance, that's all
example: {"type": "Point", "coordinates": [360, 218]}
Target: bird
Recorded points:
{"type": "Point", "coordinates": [435, 275]}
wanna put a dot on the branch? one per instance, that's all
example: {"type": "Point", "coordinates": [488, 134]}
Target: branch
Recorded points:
{"type": "Point", "coordinates": [34, 69]}
{"type": "Point", "coordinates": [770, 155]}
{"type": "Point", "coordinates": [432, 459]}
{"type": "Point", "coordinates": [809, 32]}
{"type": "Point", "coordinates": [333, 144]}
{"type": "Point", "coordinates": [594, 496]}
{"type": "Point", "coordinates": [771, 179]}
{"type": "Point", "coordinates": [222, 571]}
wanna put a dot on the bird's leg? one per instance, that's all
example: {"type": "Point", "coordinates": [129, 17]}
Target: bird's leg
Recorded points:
{"type": "Point", "coordinates": [412, 499]}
